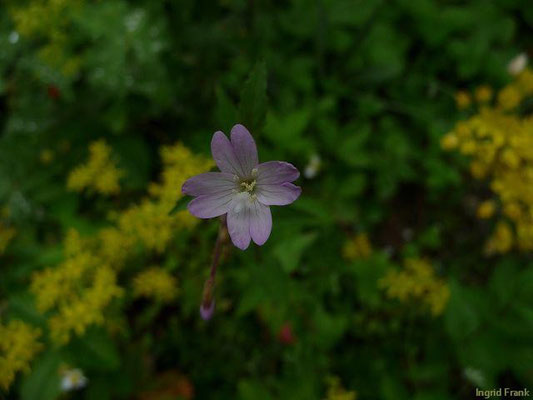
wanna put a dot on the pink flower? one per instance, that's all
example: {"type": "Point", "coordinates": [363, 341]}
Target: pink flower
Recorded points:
{"type": "Point", "coordinates": [244, 189]}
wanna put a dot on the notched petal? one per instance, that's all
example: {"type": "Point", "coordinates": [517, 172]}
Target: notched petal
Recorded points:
{"type": "Point", "coordinates": [260, 223]}
{"type": "Point", "coordinates": [208, 183]}
{"type": "Point", "coordinates": [224, 155]}
{"type": "Point", "coordinates": [245, 148]}
{"type": "Point", "coordinates": [239, 228]}
{"type": "Point", "coordinates": [276, 172]}
{"type": "Point", "coordinates": [210, 205]}
{"type": "Point", "coordinates": [278, 195]}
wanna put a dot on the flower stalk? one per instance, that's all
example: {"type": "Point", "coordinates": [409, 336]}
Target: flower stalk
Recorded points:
{"type": "Point", "coordinates": [208, 299]}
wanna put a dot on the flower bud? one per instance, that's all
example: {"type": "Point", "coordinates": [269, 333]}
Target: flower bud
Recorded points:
{"type": "Point", "coordinates": [208, 302]}
{"type": "Point", "coordinates": [206, 311]}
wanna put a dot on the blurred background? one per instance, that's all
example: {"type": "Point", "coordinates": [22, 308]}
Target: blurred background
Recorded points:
{"type": "Point", "coordinates": [404, 270]}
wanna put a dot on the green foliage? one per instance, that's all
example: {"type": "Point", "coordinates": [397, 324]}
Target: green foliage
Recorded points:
{"type": "Point", "coordinates": [368, 87]}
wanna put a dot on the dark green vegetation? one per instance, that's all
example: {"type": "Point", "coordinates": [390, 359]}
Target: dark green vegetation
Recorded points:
{"type": "Point", "coordinates": [367, 85]}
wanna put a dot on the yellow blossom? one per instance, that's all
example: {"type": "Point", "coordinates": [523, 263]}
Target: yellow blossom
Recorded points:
{"type": "Point", "coordinates": [486, 209]}
{"type": "Point", "coordinates": [449, 141]}
{"type": "Point", "coordinates": [483, 94]}
{"type": "Point", "coordinates": [417, 281]}
{"type": "Point", "coordinates": [499, 142]}
{"type": "Point", "coordinates": [358, 247]}
{"type": "Point", "coordinates": [87, 308]}
{"type": "Point", "coordinates": [18, 346]}
{"type": "Point", "coordinates": [462, 99]}
{"type": "Point", "coordinates": [99, 174]}
{"type": "Point", "coordinates": [46, 156]}
{"type": "Point", "coordinates": [509, 97]}
{"type": "Point", "coordinates": [525, 81]}
{"type": "Point", "coordinates": [155, 283]}
{"type": "Point", "coordinates": [501, 240]}
{"type": "Point", "coordinates": [77, 292]}
{"type": "Point", "coordinates": [335, 390]}
{"type": "Point", "coordinates": [50, 32]}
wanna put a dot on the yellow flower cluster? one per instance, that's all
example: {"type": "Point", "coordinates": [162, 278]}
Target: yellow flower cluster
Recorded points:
{"type": "Point", "coordinates": [29, 22]}
{"type": "Point", "coordinates": [337, 392]}
{"type": "Point", "coordinates": [357, 248]}
{"type": "Point", "coordinates": [500, 143]}
{"type": "Point", "coordinates": [99, 174]}
{"type": "Point", "coordinates": [155, 283]}
{"type": "Point", "coordinates": [18, 346]}
{"type": "Point", "coordinates": [78, 291]}
{"type": "Point", "coordinates": [417, 281]}
{"type": "Point", "coordinates": [149, 221]}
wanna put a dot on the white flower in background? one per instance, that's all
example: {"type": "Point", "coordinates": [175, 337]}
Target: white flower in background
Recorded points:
{"type": "Point", "coordinates": [475, 376]}
{"type": "Point", "coordinates": [13, 37]}
{"type": "Point", "coordinates": [517, 64]}
{"type": "Point", "coordinates": [73, 379]}
{"type": "Point", "coordinates": [313, 166]}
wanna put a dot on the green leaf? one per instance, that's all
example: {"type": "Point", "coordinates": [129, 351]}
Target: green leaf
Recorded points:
{"type": "Point", "coordinates": [44, 381]}
{"type": "Point", "coordinates": [287, 130]}
{"type": "Point", "coordinates": [250, 390]}
{"type": "Point", "coordinates": [462, 316]}
{"type": "Point", "coordinates": [22, 306]}
{"type": "Point", "coordinates": [180, 205]}
{"type": "Point", "coordinates": [289, 252]}
{"type": "Point", "coordinates": [225, 110]}
{"type": "Point", "coordinates": [95, 350]}
{"type": "Point", "coordinates": [253, 105]}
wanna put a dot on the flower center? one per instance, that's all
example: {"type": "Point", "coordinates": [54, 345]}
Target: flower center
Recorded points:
{"type": "Point", "coordinates": [247, 186]}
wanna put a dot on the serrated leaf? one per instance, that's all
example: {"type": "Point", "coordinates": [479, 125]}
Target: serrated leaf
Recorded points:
{"type": "Point", "coordinates": [253, 104]}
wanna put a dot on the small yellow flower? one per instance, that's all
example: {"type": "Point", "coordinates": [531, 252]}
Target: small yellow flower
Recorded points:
{"type": "Point", "coordinates": [357, 248]}
{"type": "Point", "coordinates": [335, 390]}
{"type": "Point", "coordinates": [486, 209]}
{"type": "Point", "coordinates": [155, 283]}
{"type": "Point", "coordinates": [100, 174]}
{"type": "Point", "coordinates": [417, 281]}
{"type": "Point", "coordinates": [509, 97]}
{"type": "Point", "coordinates": [501, 240]}
{"type": "Point", "coordinates": [513, 211]}
{"type": "Point", "coordinates": [462, 100]}
{"type": "Point", "coordinates": [449, 141]}
{"type": "Point", "coordinates": [483, 94]}
{"type": "Point", "coordinates": [46, 156]}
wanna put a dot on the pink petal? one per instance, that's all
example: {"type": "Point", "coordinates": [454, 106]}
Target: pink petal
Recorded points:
{"type": "Point", "coordinates": [278, 195]}
{"type": "Point", "coordinates": [273, 172]}
{"type": "Point", "coordinates": [245, 148]}
{"type": "Point", "coordinates": [239, 227]}
{"type": "Point", "coordinates": [211, 205]}
{"type": "Point", "coordinates": [260, 223]}
{"type": "Point", "coordinates": [208, 183]}
{"type": "Point", "coordinates": [224, 155]}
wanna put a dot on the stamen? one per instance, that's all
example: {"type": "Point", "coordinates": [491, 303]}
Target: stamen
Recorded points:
{"type": "Point", "coordinates": [248, 187]}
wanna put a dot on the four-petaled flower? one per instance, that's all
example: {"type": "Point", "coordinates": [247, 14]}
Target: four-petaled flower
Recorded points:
{"type": "Point", "coordinates": [244, 189]}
